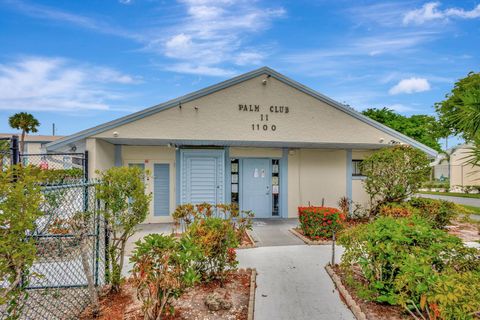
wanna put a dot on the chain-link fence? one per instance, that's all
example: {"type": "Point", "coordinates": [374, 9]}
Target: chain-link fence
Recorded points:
{"type": "Point", "coordinates": [5, 153]}
{"type": "Point", "coordinates": [73, 162]}
{"type": "Point", "coordinates": [62, 166]}
{"type": "Point", "coordinates": [70, 241]}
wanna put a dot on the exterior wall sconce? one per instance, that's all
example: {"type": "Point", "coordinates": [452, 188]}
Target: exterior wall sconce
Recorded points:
{"type": "Point", "coordinates": [264, 81]}
{"type": "Point", "coordinates": [115, 134]}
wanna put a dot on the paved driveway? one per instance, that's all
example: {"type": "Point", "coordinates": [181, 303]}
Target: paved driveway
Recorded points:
{"type": "Point", "coordinates": [292, 283]}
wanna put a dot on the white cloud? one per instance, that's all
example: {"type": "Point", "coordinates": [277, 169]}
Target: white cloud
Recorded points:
{"type": "Point", "coordinates": [430, 11]}
{"type": "Point", "coordinates": [53, 14]}
{"type": "Point", "coordinates": [213, 34]}
{"type": "Point", "coordinates": [398, 107]}
{"type": "Point", "coordinates": [410, 85]}
{"type": "Point", "coordinates": [199, 70]}
{"type": "Point", "coordinates": [56, 84]}
{"type": "Point", "coordinates": [125, 1]}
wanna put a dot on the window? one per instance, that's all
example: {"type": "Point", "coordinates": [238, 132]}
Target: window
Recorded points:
{"type": "Point", "coordinates": [235, 180]}
{"type": "Point", "coordinates": [356, 170]}
{"type": "Point", "coordinates": [275, 186]}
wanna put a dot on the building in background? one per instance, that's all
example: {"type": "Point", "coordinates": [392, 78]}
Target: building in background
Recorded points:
{"type": "Point", "coordinates": [33, 143]}
{"type": "Point", "coordinates": [462, 173]}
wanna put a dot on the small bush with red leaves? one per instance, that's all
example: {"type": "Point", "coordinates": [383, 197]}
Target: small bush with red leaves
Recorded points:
{"type": "Point", "coordinates": [320, 222]}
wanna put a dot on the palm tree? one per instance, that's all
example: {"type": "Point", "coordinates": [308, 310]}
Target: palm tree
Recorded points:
{"type": "Point", "coordinates": [25, 122]}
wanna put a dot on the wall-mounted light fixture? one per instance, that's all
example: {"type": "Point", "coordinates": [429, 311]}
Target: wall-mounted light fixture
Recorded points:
{"type": "Point", "coordinates": [196, 108]}
{"type": "Point", "coordinates": [381, 140]}
{"type": "Point", "coordinates": [115, 134]}
{"type": "Point", "coordinates": [264, 81]}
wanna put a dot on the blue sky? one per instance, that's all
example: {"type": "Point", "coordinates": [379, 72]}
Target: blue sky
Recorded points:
{"type": "Point", "coordinates": [81, 63]}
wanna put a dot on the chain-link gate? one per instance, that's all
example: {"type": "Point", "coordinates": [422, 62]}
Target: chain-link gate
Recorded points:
{"type": "Point", "coordinates": [70, 240]}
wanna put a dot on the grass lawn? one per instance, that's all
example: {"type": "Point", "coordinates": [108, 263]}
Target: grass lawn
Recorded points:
{"type": "Point", "coordinates": [453, 194]}
{"type": "Point", "coordinates": [475, 210]}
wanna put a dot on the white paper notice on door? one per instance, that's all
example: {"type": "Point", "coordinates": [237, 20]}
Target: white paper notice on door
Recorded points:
{"type": "Point", "coordinates": [275, 189]}
{"type": "Point", "coordinates": [255, 173]}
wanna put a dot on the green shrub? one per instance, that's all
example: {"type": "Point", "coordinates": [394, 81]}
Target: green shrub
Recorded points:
{"type": "Point", "coordinates": [436, 185]}
{"type": "Point", "coordinates": [393, 174]}
{"type": "Point", "coordinates": [397, 210]}
{"type": "Point", "coordinates": [455, 295]}
{"type": "Point", "coordinates": [241, 221]}
{"type": "Point", "coordinates": [402, 258]}
{"type": "Point", "coordinates": [163, 267]}
{"type": "Point", "coordinates": [20, 208]}
{"type": "Point", "coordinates": [320, 222]}
{"type": "Point", "coordinates": [216, 239]}
{"type": "Point", "coordinates": [438, 212]}
{"type": "Point", "coordinates": [122, 190]}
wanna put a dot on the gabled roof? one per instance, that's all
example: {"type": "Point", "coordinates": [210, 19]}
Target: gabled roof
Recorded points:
{"type": "Point", "coordinates": [32, 137]}
{"type": "Point", "coordinates": [225, 84]}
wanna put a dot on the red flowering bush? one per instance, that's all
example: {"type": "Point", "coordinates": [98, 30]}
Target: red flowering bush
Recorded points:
{"type": "Point", "coordinates": [320, 222]}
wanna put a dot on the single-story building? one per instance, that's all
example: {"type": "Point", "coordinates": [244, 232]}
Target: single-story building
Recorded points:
{"type": "Point", "coordinates": [462, 172]}
{"type": "Point", "coordinates": [34, 144]}
{"type": "Point", "coordinates": [260, 139]}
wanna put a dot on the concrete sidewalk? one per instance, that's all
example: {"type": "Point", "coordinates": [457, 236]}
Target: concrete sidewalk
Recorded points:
{"type": "Point", "coordinates": [274, 232]}
{"type": "Point", "coordinates": [292, 283]}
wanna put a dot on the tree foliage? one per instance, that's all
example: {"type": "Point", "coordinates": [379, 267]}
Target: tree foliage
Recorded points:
{"type": "Point", "coordinates": [26, 122]}
{"type": "Point", "coordinates": [393, 174]}
{"type": "Point", "coordinates": [422, 128]}
{"type": "Point", "coordinates": [122, 190]}
{"type": "Point", "coordinates": [460, 112]}
{"type": "Point", "coordinates": [20, 208]}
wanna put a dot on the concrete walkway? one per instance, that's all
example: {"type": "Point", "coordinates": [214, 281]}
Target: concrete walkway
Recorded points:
{"type": "Point", "coordinates": [292, 283]}
{"type": "Point", "coordinates": [274, 232]}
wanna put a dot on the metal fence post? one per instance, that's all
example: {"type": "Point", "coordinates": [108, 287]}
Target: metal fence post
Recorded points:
{"type": "Point", "coordinates": [85, 166]}
{"type": "Point", "coordinates": [97, 239]}
{"type": "Point", "coordinates": [14, 151]}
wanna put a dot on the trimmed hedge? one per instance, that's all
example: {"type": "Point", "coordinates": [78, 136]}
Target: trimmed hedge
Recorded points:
{"type": "Point", "coordinates": [320, 222]}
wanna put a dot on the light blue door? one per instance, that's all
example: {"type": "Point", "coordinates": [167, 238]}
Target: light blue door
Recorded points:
{"type": "Point", "coordinates": [161, 189]}
{"type": "Point", "coordinates": [202, 176]}
{"type": "Point", "coordinates": [256, 187]}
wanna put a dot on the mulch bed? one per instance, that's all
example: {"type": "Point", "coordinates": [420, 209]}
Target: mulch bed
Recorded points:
{"type": "Point", "coordinates": [247, 241]}
{"type": "Point", "coordinates": [466, 231]}
{"type": "Point", "coordinates": [190, 306]}
{"type": "Point", "coordinates": [372, 310]}
{"type": "Point", "coordinates": [308, 240]}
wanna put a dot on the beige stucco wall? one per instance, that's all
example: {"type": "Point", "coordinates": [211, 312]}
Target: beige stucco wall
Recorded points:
{"type": "Point", "coordinates": [314, 174]}
{"type": "Point", "coordinates": [150, 155]}
{"type": "Point", "coordinates": [461, 172]}
{"type": "Point", "coordinates": [236, 152]}
{"type": "Point", "coordinates": [101, 156]}
{"type": "Point", "coordinates": [218, 118]}
{"type": "Point", "coordinates": [358, 191]}
{"type": "Point", "coordinates": [33, 147]}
